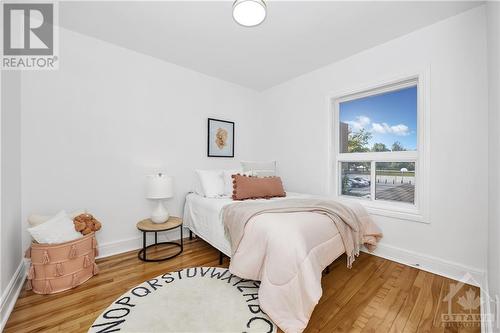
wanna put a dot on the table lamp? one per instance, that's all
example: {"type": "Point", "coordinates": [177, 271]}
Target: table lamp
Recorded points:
{"type": "Point", "coordinates": [159, 187]}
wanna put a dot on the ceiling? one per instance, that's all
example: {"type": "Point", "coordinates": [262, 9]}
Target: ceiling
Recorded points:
{"type": "Point", "coordinates": [297, 36]}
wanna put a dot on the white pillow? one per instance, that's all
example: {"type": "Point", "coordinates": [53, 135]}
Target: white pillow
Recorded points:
{"type": "Point", "coordinates": [212, 182]}
{"type": "Point", "coordinates": [228, 180]}
{"type": "Point", "coordinates": [260, 169]}
{"type": "Point", "coordinates": [198, 189]}
{"type": "Point", "coordinates": [36, 219]}
{"type": "Point", "coordinates": [58, 229]}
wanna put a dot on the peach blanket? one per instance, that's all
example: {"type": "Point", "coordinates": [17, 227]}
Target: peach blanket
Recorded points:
{"type": "Point", "coordinates": [286, 245]}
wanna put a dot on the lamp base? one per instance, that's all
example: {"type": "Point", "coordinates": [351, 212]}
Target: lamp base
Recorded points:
{"type": "Point", "coordinates": [159, 214]}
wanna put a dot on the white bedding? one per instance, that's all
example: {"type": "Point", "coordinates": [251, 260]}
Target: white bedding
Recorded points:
{"type": "Point", "coordinates": [203, 217]}
{"type": "Point", "coordinates": [286, 252]}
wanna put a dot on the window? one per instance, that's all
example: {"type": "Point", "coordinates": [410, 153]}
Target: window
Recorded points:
{"type": "Point", "coordinates": [378, 145]}
{"type": "Point", "coordinates": [379, 123]}
{"type": "Point", "coordinates": [356, 179]}
{"type": "Point", "coordinates": [395, 181]}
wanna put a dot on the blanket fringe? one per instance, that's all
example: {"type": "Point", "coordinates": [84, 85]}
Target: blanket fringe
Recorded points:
{"type": "Point", "coordinates": [350, 260]}
{"type": "Point", "coordinates": [352, 257]}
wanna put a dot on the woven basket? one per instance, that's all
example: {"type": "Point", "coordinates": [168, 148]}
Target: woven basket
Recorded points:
{"type": "Point", "coordinates": [58, 267]}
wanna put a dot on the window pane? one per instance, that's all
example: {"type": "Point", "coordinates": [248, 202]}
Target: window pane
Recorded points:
{"type": "Point", "coordinates": [380, 122]}
{"type": "Point", "coordinates": [355, 179]}
{"type": "Point", "coordinates": [395, 181]}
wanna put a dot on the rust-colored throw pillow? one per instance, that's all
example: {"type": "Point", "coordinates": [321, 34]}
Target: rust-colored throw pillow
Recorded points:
{"type": "Point", "coordinates": [248, 187]}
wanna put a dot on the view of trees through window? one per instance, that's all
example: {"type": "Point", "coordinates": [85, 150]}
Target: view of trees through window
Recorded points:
{"type": "Point", "coordinates": [379, 123]}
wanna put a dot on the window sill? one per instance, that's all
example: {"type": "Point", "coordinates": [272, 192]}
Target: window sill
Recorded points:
{"type": "Point", "coordinates": [392, 210]}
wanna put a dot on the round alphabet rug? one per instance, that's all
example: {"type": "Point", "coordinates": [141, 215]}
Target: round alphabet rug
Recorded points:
{"type": "Point", "coordinates": [198, 299]}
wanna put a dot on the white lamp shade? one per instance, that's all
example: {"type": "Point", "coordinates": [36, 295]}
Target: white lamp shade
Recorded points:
{"type": "Point", "coordinates": [159, 186]}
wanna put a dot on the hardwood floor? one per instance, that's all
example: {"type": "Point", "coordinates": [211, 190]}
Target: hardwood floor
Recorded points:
{"type": "Point", "coordinates": [376, 295]}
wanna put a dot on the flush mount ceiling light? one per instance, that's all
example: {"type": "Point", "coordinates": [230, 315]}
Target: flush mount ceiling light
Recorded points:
{"type": "Point", "coordinates": [249, 13]}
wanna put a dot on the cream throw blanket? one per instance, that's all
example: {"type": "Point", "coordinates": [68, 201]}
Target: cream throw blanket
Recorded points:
{"type": "Point", "coordinates": [353, 223]}
{"type": "Point", "coordinates": [287, 243]}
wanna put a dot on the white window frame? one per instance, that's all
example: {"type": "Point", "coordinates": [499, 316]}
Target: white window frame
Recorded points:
{"type": "Point", "coordinates": [413, 212]}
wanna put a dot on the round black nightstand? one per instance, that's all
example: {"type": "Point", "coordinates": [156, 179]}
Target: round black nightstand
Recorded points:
{"type": "Point", "coordinates": [148, 226]}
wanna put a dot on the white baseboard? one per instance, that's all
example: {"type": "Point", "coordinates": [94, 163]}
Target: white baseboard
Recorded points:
{"type": "Point", "coordinates": [427, 263]}
{"type": "Point", "coordinates": [11, 293]}
{"type": "Point", "coordinates": [431, 264]}
{"type": "Point", "coordinates": [9, 296]}
{"type": "Point", "coordinates": [117, 247]}
{"type": "Point", "coordinates": [444, 268]}
{"type": "Point", "coordinates": [135, 243]}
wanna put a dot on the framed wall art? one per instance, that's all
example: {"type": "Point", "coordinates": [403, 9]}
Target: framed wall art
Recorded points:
{"type": "Point", "coordinates": [220, 141]}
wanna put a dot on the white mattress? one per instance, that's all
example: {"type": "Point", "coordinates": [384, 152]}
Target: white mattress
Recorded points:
{"type": "Point", "coordinates": [203, 217]}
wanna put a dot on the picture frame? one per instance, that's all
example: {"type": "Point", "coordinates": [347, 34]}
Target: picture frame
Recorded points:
{"type": "Point", "coordinates": [220, 138]}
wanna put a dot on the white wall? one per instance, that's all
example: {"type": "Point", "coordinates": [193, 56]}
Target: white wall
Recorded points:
{"type": "Point", "coordinates": [94, 128]}
{"type": "Point", "coordinates": [455, 52]}
{"type": "Point", "coordinates": [10, 196]}
{"type": "Point", "coordinates": [493, 10]}
{"type": "Point", "coordinates": [108, 116]}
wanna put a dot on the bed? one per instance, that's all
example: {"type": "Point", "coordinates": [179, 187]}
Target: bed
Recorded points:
{"type": "Point", "coordinates": [203, 217]}
{"type": "Point", "coordinates": [286, 247]}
